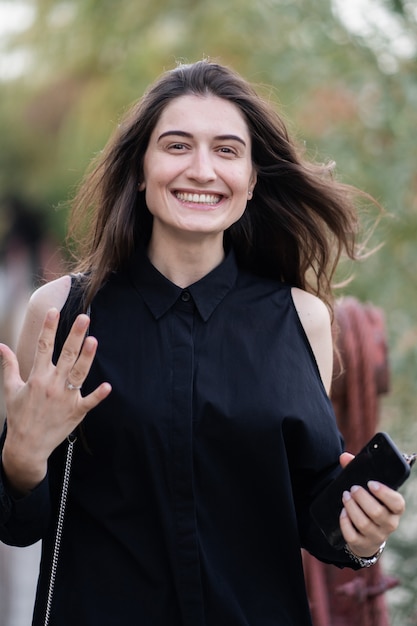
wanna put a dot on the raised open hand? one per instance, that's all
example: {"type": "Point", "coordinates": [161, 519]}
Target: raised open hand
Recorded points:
{"type": "Point", "coordinates": [45, 409]}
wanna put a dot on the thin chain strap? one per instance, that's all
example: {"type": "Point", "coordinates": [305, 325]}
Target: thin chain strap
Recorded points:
{"type": "Point", "coordinates": [61, 513]}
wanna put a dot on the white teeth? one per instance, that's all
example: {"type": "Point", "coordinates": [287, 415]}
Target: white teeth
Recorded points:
{"type": "Point", "coordinates": [203, 198]}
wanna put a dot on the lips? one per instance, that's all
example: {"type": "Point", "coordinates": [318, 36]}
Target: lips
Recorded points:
{"type": "Point", "coordinates": [198, 198]}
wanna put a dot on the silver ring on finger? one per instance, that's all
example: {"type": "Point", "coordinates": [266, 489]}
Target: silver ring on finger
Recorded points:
{"type": "Point", "coordinates": [72, 387]}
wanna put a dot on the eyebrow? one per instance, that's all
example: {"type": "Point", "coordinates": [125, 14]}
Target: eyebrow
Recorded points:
{"type": "Point", "coordinates": [182, 133]}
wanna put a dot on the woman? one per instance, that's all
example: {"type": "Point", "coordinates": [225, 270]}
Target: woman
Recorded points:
{"type": "Point", "coordinates": [203, 426]}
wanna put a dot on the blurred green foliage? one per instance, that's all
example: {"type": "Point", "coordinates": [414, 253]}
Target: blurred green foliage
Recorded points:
{"type": "Point", "coordinates": [351, 97]}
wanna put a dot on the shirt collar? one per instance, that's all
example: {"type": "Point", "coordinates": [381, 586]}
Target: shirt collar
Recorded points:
{"type": "Point", "coordinates": [160, 294]}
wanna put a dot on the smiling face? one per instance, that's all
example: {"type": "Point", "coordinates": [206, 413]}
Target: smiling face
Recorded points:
{"type": "Point", "coordinates": [197, 171]}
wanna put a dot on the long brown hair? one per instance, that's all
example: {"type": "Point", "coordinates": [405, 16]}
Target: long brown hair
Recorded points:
{"type": "Point", "coordinates": [295, 228]}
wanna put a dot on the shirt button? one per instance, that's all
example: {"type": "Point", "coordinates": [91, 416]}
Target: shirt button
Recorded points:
{"type": "Point", "coordinates": [185, 296]}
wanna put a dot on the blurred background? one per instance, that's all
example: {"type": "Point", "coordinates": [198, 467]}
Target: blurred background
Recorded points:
{"type": "Point", "coordinates": [342, 72]}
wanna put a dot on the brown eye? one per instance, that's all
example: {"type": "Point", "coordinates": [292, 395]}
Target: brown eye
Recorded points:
{"type": "Point", "coordinates": [177, 146]}
{"type": "Point", "coordinates": [227, 151]}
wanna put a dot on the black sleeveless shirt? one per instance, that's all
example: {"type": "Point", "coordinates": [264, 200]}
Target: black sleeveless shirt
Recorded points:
{"type": "Point", "coordinates": [191, 486]}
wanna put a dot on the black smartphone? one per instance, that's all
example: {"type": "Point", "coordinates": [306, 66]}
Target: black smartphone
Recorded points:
{"type": "Point", "coordinates": [379, 460]}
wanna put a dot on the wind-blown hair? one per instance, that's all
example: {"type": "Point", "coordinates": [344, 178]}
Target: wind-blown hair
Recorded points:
{"type": "Point", "coordinates": [295, 228]}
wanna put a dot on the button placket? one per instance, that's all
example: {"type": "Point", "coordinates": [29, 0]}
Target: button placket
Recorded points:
{"type": "Point", "coordinates": [182, 439]}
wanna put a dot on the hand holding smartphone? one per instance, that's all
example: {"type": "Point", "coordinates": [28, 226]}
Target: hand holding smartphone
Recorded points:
{"type": "Point", "coordinates": [378, 460]}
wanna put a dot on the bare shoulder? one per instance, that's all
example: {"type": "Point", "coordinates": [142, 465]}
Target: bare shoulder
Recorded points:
{"type": "Point", "coordinates": [52, 294]}
{"type": "Point", "coordinates": [312, 311]}
{"type": "Point", "coordinates": [315, 319]}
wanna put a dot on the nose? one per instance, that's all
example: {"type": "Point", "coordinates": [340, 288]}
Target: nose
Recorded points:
{"type": "Point", "coordinates": [201, 166]}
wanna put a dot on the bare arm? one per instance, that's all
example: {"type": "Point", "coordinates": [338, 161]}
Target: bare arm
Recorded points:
{"type": "Point", "coordinates": [315, 319]}
{"type": "Point", "coordinates": [367, 521]}
{"type": "Point", "coordinates": [51, 295]}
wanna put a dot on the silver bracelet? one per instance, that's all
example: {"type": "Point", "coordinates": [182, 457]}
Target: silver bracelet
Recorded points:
{"type": "Point", "coordinates": [365, 561]}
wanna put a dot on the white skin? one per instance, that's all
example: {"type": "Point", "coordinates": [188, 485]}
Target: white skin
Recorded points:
{"type": "Point", "coordinates": [198, 178]}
